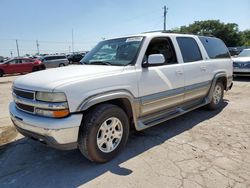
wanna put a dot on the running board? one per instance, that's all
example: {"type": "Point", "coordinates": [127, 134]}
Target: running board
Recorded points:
{"type": "Point", "coordinates": [160, 117]}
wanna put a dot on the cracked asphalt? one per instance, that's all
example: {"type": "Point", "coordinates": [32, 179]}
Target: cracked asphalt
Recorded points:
{"type": "Point", "coordinates": [199, 149]}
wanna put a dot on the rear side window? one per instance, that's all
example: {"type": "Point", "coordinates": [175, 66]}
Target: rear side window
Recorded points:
{"type": "Point", "coordinates": [26, 61]}
{"type": "Point", "coordinates": [189, 49]}
{"type": "Point", "coordinates": [48, 58]}
{"type": "Point", "coordinates": [61, 57]}
{"type": "Point", "coordinates": [215, 47]}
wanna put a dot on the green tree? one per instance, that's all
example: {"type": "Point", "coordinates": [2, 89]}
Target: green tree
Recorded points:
{"type": "Point", "coordinates": [245, 37]}
{"type": "Point", "coordinates": [229, 32]}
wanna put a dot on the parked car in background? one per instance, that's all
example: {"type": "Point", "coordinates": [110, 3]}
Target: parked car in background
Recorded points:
{"type": "Point", "coordinates": [234, 51]}
{"type": "Point", "coordinates": [241, 63]}
{"type": "Point", "coordinates": [75, 58]}
{"type": "Point", "coordinates": [20, 65]}
{"type": "Point", "coordinates": [52, 61]}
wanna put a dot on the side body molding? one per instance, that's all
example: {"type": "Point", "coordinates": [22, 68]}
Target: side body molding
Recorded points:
{"type": "Point", "coordinates": [136, 102]}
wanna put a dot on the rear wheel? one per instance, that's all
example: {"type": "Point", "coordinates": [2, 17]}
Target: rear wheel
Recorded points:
{"type": "Point", "coordinates": [1, 73]}
{"type": "Point", "coordinates": [103, 133]}
{"type": "Point", "coordinates": [217, 96]}
{"type": "Point", "coordinates": [61, 65]}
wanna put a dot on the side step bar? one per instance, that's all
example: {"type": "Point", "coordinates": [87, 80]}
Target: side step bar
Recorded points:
{"type": "Point", "coordinates": [151, 120]}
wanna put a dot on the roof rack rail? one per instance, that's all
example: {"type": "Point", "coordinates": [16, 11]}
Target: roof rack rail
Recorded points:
{"type": "Point", "coordinates": [159, 31]}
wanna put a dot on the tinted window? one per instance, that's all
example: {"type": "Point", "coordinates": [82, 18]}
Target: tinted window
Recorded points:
{"type": "Point", "coordinates": [26, 61]}
{"type": "Point", "coordinates": [54, 57]}
{"type": "Point", "coordinates": [18, 61]}
{"type": "Point", "coordinates": [161, 45]}
{"type": "Point", "coordinates": [215, 47]}
{"type": "Point", "coordinates": [12, 62]}
{"type": "Point", "coordinates": [189, 49]}
{"type": "Point", "coordinates": [61, 57]}
{"type": "Point", "coordinates": [48, 58]}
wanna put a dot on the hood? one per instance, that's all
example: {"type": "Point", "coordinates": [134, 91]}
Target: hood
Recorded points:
{"type": "Point", "coordinates": [49, 79]}
{"type": "Point", "coordinates": [241, 59]}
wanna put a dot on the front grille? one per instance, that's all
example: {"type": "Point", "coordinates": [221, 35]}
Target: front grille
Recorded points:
{"type": "Point", "coordinates": [241, 73]}
{"type": "Point", "coordinates": [25, 107]}
{"type": "Point", "coordinates": [241, 65]}
{"type": "Point", "coordinates": [24, 94]}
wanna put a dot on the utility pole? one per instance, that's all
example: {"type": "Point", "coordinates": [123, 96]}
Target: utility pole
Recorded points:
{"type": "Point", "coordinates": [165, 15]}
{"type": "Point", "coordinates": [17, 48]}
{"type": "Point", "coordinates": [11, 54]}
{"type": "Point", "coordinates": [37, 45]}
{"type": "Point", "coordinates": [69, 49]}
{"type": "Point", "coordinates": [72, 41]}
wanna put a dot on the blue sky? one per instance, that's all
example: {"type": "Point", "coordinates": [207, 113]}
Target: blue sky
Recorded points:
{"type": "Point", "coordinates": [51, 21]}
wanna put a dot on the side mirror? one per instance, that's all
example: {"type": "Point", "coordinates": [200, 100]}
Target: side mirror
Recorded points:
{"type": "Point", "coordinates": [156, 59]}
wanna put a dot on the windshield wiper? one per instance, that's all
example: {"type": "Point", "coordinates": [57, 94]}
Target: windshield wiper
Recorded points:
{"type": "Point", "coordinates": [100, 63]}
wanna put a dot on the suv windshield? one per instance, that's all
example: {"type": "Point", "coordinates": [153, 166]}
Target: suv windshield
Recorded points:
{"type": "Point", "coordinates": [120, 52]}
{"type": "Point", "coordinates": [244, 53]}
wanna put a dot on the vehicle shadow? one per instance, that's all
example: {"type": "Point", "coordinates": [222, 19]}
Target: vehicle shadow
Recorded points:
{"type": "Point", "coordinates": [16, 74]}
{"type": "Point", "coordinates": [27, 163]}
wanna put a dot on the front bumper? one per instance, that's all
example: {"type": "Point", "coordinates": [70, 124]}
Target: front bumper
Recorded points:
{"type": "Point", "coordinates": [241, 71]}
{"type": "Point", "coordinates": [58, 133]}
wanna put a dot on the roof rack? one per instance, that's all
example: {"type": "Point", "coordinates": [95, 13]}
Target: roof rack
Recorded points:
{"type": "Point", "coordinates": [159, 31]}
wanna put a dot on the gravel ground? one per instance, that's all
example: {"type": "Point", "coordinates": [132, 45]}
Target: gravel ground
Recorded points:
{"type": "Point", "coordinates": [199, 149]}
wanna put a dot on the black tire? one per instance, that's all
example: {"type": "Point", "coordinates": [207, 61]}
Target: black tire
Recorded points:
{"type": "Point", "coordinates": [61, 65]}
{"type": "Point", "coordinates": [34, 69]}
{"type": "Point", "coordinates": [90, 130]}
{"type": "Point", "coordinates": [1, 73]}
{"type": "Point", "coordinates": [217, 101]}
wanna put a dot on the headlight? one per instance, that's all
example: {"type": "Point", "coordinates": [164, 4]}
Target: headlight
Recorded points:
{"type": "Point", "coordinates": [50, 97]}
{"type": "Point", "coordinates": [52, 113]}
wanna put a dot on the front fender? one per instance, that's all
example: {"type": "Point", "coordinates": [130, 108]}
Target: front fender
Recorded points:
{"type": "Point", "coordinates": [111, 95]}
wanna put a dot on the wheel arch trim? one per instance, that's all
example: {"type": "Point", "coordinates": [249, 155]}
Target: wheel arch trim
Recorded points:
{"type": "Point", "coordinates": [109, 96]}
{"type": "Point", "coordinates": [217, 76]}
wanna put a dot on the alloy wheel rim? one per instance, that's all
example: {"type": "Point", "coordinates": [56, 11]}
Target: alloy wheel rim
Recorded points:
{"type": "Point", "coordinates": [109, 135]}
{"type": "Point", "coordinates": [217, 94]}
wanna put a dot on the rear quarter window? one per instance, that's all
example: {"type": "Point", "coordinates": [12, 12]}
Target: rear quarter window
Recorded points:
{"type": "Point", "coordinates": [215, 47]}
{"type": "Point", "coordinates": [48, 58]}
{"type": "Point", "coordinates": [61, 57]}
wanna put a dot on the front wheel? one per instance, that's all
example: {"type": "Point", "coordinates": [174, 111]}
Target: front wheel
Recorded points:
{"type": "Point", "coordinates": [61, 65]}
{"type": "Point", "coordinates": [1, 73]}
{"type": "Point", "coordinates": [103, 133]}
{"type": "Point", "coordinates": [217, 96]}
{"type": "Point", "coordinates": [34, 69]}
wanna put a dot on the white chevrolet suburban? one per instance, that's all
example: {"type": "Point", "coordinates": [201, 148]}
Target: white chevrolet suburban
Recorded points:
{"type": "Point", "coordinates": [129, 82]}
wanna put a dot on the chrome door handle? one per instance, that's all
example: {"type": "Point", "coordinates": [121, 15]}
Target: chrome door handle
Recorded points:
{"type": "Point", "coordinates": [179, 72]}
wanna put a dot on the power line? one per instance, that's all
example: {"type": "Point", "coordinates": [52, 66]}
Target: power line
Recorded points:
{"type": "Point", "coordinates": [53, 42]}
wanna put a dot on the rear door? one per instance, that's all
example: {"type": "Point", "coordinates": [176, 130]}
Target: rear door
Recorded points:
{"type": "Point", "coordinates": [218, 58]}
{"type": "Point", "coordinates": [49, 61]}
{"type": "Point", "coordinates": [196, 73]}
{"type": "Point", "coordinates": [27, 65]}
{"type": "Point", "coordinates": [57, 60]}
